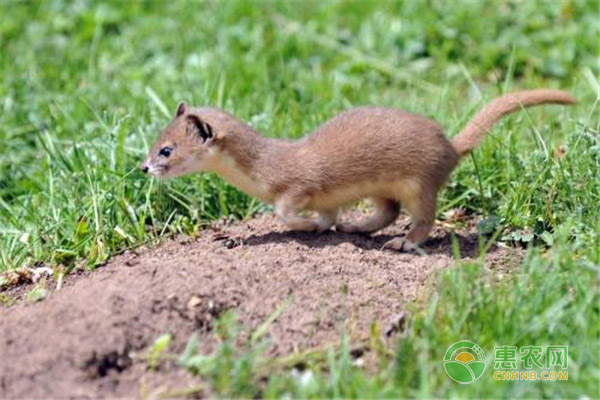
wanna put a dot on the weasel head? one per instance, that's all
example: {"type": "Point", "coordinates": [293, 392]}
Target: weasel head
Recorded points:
{"type": "Point", "coordinates": [188, 144]}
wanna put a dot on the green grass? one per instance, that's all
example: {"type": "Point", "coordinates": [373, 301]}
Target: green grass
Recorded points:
{"type": "Point", "coordinates": [87, 86]}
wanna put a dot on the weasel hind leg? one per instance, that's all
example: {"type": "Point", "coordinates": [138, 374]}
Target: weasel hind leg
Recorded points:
{"type": "Point", "coordinates": [422, 210]}
{"type": "Point", "coordinates": [386, 212]}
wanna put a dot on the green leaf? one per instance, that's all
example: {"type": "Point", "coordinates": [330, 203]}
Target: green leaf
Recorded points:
{"type": "Point", "coordinates": [191, 348]}
{"type": "Point", "coordinates": [38, 293]}
{"type": "Point", "coordinates": [158, 348]}
{"type": "Point", "coordinates": [547, 238]}
{"type": "Point", "coordinates": [489, 225]}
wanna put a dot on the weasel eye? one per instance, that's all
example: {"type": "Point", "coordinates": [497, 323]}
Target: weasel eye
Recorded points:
{"type": "Point", "coordinates": [165, 151]}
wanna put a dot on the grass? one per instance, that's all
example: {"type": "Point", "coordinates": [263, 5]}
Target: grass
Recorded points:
{"type": "Point", "coordinates": [87, 87]}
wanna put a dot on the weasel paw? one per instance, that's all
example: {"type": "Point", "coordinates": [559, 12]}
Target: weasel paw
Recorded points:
{"type": "Point", "coordinates": [399, 244]}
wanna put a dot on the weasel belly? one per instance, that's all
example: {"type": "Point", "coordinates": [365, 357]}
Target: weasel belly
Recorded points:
{"type": "Point", "coordinates": [401, 189]}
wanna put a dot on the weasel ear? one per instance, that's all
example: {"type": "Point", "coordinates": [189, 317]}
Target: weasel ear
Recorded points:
{"type": "Point", "coordinates": [181, 109]}
{"type": "Point", "coordinates": [204, 130]}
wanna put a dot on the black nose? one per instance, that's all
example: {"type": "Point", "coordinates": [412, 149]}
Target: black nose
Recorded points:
{"type": "Point", "coordinates": [145, 168]}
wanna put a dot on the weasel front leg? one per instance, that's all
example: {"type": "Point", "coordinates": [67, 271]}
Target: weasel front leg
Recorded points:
{"type": "Point", "coordinates": [287, 208]}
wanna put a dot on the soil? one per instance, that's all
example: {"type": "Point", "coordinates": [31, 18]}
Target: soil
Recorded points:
{"type": "Point", "coordinates": [85, 339]}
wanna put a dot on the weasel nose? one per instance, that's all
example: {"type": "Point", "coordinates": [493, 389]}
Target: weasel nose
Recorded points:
{"type": "Point", "coordinates": [144, 168]}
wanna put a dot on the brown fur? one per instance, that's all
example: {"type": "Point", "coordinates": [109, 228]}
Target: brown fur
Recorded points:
{"type": "Point", "coordinates": [391, 156]}
{"type": "Point", "coordinates": [472, 135]}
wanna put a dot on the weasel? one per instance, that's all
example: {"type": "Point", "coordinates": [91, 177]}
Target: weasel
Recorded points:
{"type": "Point", "coordinates": [391, 156]}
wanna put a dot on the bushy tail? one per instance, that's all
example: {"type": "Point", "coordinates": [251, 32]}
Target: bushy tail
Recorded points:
{"type": "Point", "coordinates": [472, 135]}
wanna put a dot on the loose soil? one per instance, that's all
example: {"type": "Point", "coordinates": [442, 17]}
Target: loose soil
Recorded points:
{"type": "Point", "coordinates": [82, 340]}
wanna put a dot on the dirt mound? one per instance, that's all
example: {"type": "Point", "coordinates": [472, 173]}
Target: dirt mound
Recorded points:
{"type": "Point", "coordinates": [80, 340]}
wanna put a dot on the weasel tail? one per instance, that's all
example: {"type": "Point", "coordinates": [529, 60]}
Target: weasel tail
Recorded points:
{"type": "Point", "coordinates": [472, 135]}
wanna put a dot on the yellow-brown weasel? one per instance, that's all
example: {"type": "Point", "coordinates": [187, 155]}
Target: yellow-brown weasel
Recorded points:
{"type": "Point", "coordinates": [392, 156]}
